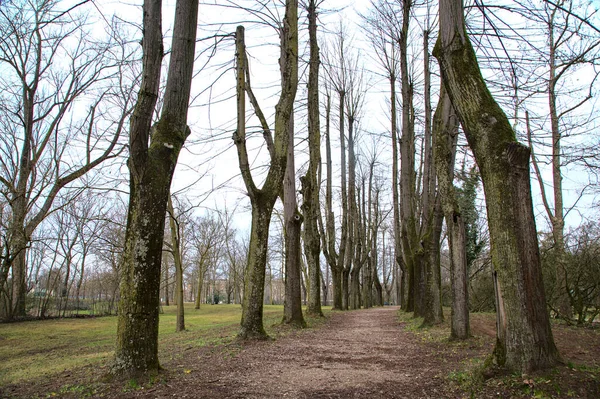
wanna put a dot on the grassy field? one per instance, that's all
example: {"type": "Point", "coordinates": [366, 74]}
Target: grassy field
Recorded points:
{"type": "Point", "coordinates": [29, 350]}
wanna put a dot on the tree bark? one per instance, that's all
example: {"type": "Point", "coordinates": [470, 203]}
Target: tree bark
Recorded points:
{"type": "Point", "coordinates": [310, 184]}
{"type": "Point", "coordinates": [292, 309]}
{"type": "Point", "coordinates": [343, 257]}
{"type": "Point", "coordinates": [557, 219]}
{"type": "Point", "coordinates": [433, 217]}
{"type": "Point", "coordinates": [151, 170]}
{"type": "Point", "coordinates": [263, 200]}
{"type": "Point", "coordinates": [408, 232]}
{"type": "Point", "coordinates": [328, 232]}
{"type": "Point", "coordinates": [178, 261]}
{"type": "Point", "coordinates": [445, 128]}
{"type": "Point", "coordinates": [351, 267]}
{"type": "Point", "coordinates": [525, 341]}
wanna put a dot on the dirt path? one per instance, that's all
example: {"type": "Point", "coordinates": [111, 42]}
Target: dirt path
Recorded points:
{"type": "Point", "coordinates": [357, 354]}
{"type": "Point", "coordinates": [364, 353]}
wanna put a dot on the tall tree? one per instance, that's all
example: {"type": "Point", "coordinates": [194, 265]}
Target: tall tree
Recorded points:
{"type": "Point", "coordinates": [432, 217]}
{"type": "Point", "coordinates": [524, 338]}
{"type": "Point", "coordinates": [263, 199]}
{"type": "Point", "coordinates": [445, 129]}
{"type": "Point", "coordinates": [152, 160]}
{"type": "Point", "coordinates": [208, 239]}
{"type": "Point", "coordinates": [44, 75]}
{"type": "Point", "coordinates": [572, 49]}
{"type": "Point", "coordinates": [355, 95]}
{"type": "Point", "coordinates": [408, 224]}
{"type": "Point", "coordinates": [176, 252]}
{"type": "Point", "coordinates": [328, 236]}
{"type": "Point", "coordinates": [292, 308]}
{"type": "Point", "coordinates": [310, 183]}
{"type": "Point", "coordinates": [385, 36]}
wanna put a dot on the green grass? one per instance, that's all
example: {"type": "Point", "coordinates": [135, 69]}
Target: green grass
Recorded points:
{"type": "Point", "coordinates": [30, 350]}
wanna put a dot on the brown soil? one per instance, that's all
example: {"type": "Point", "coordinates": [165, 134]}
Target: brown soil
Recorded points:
{"type": "Point", "coordinates": [357, 354]}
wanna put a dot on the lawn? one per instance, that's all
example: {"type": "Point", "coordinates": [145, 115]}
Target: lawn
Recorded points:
{"type": "Point", "coordinates": [33, 349]}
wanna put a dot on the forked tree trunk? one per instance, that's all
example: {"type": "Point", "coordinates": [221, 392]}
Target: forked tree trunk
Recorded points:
{"type": "Point", "coordinates": [525, 340]}
{"type": "Point", "coordinates": [310, 184]}
{"type": "Point", "coordinates": [151, 170]}
{"type": "Point", "coordinates": [263, 200]}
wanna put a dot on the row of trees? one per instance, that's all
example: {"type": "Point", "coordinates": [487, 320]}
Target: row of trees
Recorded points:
{"type": "Point", "coordinates": [360, 248]}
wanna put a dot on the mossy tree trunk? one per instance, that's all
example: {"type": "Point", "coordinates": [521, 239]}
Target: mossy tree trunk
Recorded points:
{"type": "Point", "coordinates": [151, 163]}
{"type": "Point", "coordinates": [525, 341]}
{"type": "Point", "coordinates": [432, 216]}
{"type": "Point", "coordinates": [310, 183]}
{"type": "Point", "coordinates": [408, 215]}
{"type": "Point", "coordinates": [292, 309]}
{"type": "Point", "coordinates": [445, 129]}
{"type": "Point", "coordinates": [262, 200]}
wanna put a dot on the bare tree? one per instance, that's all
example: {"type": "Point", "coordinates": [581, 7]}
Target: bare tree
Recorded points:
{"type": "Point", "coordinates": [151, 163]}
{"type": "Point", "coordinates": [445, 129]}
{"type": "Point", "coordinates": [292, 308]}
{"type": "Point", "coordinates": [176, 252]}
{"type": "Point", "coordinates": [310, 183]}
{"type": "Point", "coordinates": [50, 62]}
{"type": "Point", "coordinates": [209, 236]}
{"type": "Point", "coordinates": [383, 31]}
{"type": "Point", "coordinates": [571, 50]}
{"type": "Point", "coordinates": [328, 232]}
{"type": "Point", "coordinates": [263, 199]}
{"type": "Point", "coordinates": [524, 338]}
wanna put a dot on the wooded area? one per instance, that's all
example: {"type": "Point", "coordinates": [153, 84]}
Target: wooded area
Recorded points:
{"type": "Point", "coordinates": [420, 154]}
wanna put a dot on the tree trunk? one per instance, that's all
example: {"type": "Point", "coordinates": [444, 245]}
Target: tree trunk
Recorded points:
{"type": "Point", "coordinates": [351, 267]}
{"type": "Point", "coordinates": [525, 341]}
{"type": "Point", "coordinates": [432, 216]}
{"type": "Point", "coordinates": [432, 301]}
{"type": "Point", "coordinates": [343, 257]}
{"type": "Point", "coordinates": [19, 274]}
{"type": "Point", "coordinates": [408, 233]}
{"type": "Point", "coordinates": [263, 200]}
{"type": "Point", "coordinates": [557, 219]}
{"type": "Point", "coordinates": [201, 271]}
{"type": "Point", "coordinates": [446, 132]}
{"type": "Point", "coordinates": [176, 245]}
{"type": "Point", "coordinates": [292, 309]}
{"type": "Point", "coordinates": [151, 170]}
{"type": "Point", "coordinates": [165, 267]}
{"type": "Point", "coordinates": [395, 196]}
{"type": "Point", "coordinates": [254, 287]}
{"type": "Point", "coordinates": [310, 185]}
{"type": "Point", "coordinates": [329, 250]}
